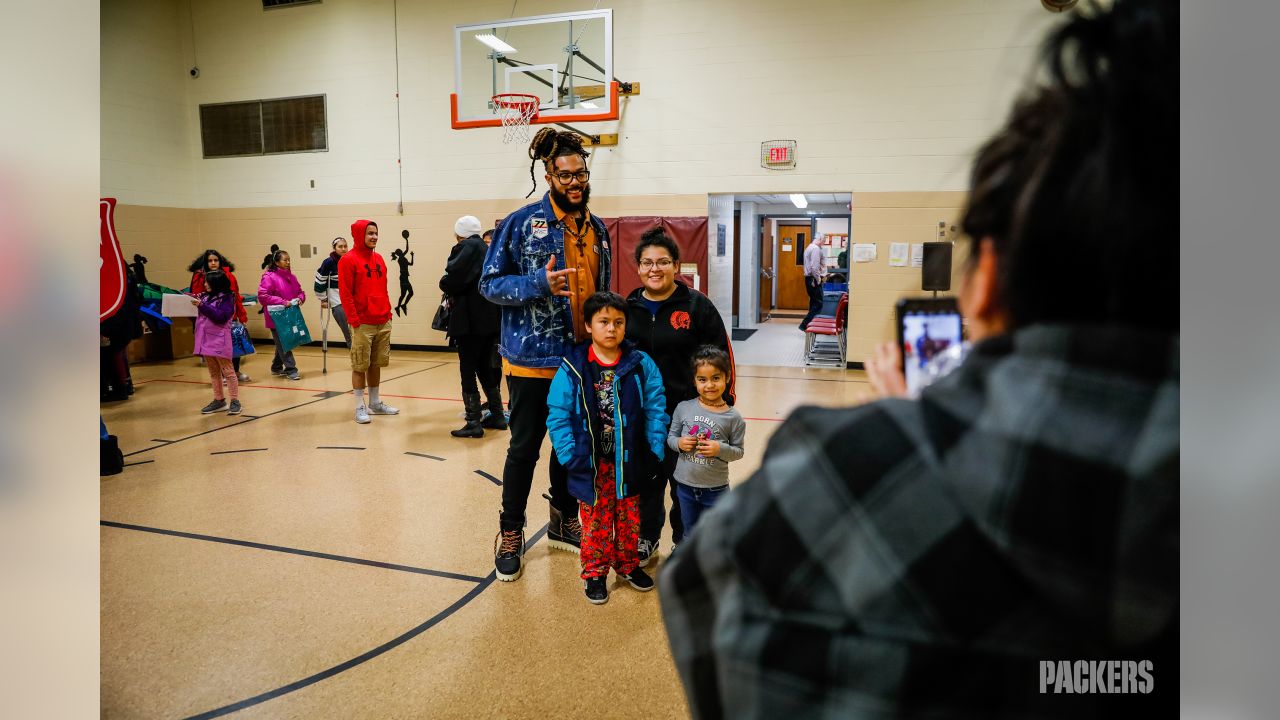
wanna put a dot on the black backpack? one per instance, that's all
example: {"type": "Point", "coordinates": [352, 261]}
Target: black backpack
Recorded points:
{"type": "Point", "coordinates": [110, 458]}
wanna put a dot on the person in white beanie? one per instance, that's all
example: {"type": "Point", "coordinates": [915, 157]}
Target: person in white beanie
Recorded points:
{"type": "Point", "coordinates": [473, 326]}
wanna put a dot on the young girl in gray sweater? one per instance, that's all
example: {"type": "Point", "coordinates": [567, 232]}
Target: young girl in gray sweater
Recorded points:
{"type": "Point", "coordinates": [708, 433]}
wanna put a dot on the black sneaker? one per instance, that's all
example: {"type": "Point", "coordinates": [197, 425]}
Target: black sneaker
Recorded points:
{"type": "Point", "coordinates": [235, 408]}
{"type": "Point", "coordinates": [639, 580]}
{"type": "Point", "coordinates": [508, 549]}
{"type": "Point", "coordinates": [564, 533]}
{"type": "Point", "coordinates": [648, 552]}
{"type": "Point", "coordinates": [213, 407]}
{"type": "Point", "coordinates": [597, 589]}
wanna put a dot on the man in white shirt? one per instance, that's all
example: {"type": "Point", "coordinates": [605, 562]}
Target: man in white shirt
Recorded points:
{"type": "Point", "coordinates": [814, 271]}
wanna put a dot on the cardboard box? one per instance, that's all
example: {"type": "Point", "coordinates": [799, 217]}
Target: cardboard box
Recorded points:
{"type": "Point", "coordinates": [172, 342]}
{"type": "Point", "coordinates": [175, 306]}
{"type": "Point", "coordinates": [137, 350]}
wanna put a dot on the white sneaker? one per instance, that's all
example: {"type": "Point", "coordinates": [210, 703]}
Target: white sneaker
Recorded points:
{"type": "Point", "coordinates": [362, 414]}
{"type": "Point", "coordinates": [381, 408]}
{"type": "Point", "coordinates": [242, 377]}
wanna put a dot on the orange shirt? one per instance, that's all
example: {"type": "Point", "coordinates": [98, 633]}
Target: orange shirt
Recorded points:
{"type": "Point", "coordinates": [581, 253]}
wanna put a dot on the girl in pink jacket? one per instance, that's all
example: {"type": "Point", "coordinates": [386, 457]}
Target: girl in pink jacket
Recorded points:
{"type": "Point", "coordinates": [279, 287]}
{"type": "Point", "coordinates": [215, 308]}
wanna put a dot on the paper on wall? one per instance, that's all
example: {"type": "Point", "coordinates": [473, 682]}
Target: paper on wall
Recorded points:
{"type": "Point", "coordinates": [917, 254]}
{"type": "Point", "coordinates": [897, 254]}
{"type": "Point", "coordinates": [864, 252]}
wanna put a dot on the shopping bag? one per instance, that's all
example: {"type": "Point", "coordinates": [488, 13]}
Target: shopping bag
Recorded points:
{"type": "Point", "coordinates": [441, 320]}
{"type": "Point", "coordinates": [290, 326]}
{"type": "Point", "coordinates": [241, 343]}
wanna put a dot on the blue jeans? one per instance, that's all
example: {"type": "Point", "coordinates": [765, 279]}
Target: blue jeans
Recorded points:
{"type": "Point", "coordinates": [694, 501]}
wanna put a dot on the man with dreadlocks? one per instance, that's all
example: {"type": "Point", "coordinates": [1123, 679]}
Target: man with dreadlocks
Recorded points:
{"type": "Point", "coordinates": [545, 260]}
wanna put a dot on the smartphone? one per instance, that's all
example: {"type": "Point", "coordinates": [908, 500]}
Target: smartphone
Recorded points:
{"type": "Point", "coordinates": [926, 327]}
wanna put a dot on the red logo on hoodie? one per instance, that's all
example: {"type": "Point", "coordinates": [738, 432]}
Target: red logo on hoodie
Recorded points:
{"type": "Point", "coordinates": [680, 320]}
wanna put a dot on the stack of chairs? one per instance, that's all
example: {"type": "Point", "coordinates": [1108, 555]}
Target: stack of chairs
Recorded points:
{"type": "Point", "coordinates": [824, 338]}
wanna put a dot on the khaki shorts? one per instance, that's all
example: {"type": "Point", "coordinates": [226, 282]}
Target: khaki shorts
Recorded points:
{"type": "Point", "coordinates": [370, 343]}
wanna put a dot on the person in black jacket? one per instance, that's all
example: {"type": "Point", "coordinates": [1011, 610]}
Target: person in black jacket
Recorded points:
{"type": "Point", "coordinates": [116, 382]}
{"type": "Point", "coordinates": [669, 320]}
{"type": "Point", "coordinates": [473, 325]}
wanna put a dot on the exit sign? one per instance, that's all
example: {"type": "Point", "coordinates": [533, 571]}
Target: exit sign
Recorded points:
{"type": "Point", "coordinates": [778, 154]}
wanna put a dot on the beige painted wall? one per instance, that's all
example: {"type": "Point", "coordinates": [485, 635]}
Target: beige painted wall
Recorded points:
{"type": "Point", "coordinates": [887, 98]}
{"type": "Point", "coordinates": [172, 237]}
{"type": "Point", "coordinates": [145, 114]}
{"type": "Point", "coordinates": [881, 96]}
{"type": "Point", "coordinates": [884, 218]}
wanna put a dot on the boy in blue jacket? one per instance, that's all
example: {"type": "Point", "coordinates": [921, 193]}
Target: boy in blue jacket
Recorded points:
{"type": "Point", "coordinates": [608, 424]}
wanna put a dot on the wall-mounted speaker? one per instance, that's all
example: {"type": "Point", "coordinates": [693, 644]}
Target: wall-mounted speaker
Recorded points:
{"type": "Point", "coordinates": [935, 270]}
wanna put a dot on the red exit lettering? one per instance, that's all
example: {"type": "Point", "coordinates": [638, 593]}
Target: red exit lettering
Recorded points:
{"type": "Point", "coordinates": [778, 154]}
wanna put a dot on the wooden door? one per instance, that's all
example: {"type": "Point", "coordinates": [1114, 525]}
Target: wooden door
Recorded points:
{"type": "Point", "coordinates": [792, 240]}
{"type": "Point", "coordinates": [766, 271]}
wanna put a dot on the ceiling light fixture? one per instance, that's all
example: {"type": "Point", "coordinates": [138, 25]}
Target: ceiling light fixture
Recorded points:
{"type": "Point", "coordinates": [494, 42]}
{"type": "Point", "coordinates": [799, 201]}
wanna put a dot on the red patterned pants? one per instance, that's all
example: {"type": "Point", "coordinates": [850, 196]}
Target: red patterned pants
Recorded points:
{"type": "Point", "coordinates": [610, 529]}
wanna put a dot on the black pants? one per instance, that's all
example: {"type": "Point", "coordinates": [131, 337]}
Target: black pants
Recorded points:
{"type": "Point", "coordinates": [653, 503]}
{"type": "Point", "coordinates": [475, 362]}
{"type": "Point", "coordinates": [528, 397]}
{"type": "Point", "coordinates": [814, 287]}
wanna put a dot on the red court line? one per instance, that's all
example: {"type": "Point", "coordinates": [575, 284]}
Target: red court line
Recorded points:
{"type": "Point", "coordinates": [766, 419]}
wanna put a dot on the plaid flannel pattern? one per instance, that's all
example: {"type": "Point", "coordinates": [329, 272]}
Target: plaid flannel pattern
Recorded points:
{"type": "Point", "coordinates": [919, 558]}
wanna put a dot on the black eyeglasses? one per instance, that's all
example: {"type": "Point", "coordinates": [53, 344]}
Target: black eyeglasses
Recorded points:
{"type": "Point", "coordinates": [565, 177]}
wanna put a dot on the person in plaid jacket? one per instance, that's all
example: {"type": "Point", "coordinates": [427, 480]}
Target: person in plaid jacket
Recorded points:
{"type": "Point", "coordinates": [923, 558]}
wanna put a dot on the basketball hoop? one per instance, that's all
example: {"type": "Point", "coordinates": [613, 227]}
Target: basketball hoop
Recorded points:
{"type": "Point", "coordinates": [516, 110]}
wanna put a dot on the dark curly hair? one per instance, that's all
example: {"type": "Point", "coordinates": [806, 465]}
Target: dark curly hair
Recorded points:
{"type": "Point", "coordinates": [657, 236]}
{"type": "Point", "coordinates": [1073, 190]}
{"type": "Point", "coordinates": [550, 144]}
{"type": "Point", "coordinates": [200, 263]}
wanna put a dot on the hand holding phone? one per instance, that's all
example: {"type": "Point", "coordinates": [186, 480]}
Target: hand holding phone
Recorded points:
{"type": "Point", "coordinates": [927, 327]}
{"type": "Point", "coordinates": [884, 371]}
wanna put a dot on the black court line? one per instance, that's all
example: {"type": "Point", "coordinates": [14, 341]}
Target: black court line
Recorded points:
{"type": "Point", "coordinates": [489, 477]}
{"type": "Point", "coordinates": [296, 551]}
{"type": "Point", "coordinates": [359, 659]}
{"type": "Point", "coordinates": [229, 452]}
{"type": "Point", "coordinates": [161, 440]}
{"type": "Point", "coordinates": [332, 393]}
{"type": "Point", "coordinates": [256, 417]}
{"type": "Point", "coordinates": [432, 457]}
{"type": "Point", "coordinates": [337, 447]}
{"type": "Point", "coordinates": [140, 462]}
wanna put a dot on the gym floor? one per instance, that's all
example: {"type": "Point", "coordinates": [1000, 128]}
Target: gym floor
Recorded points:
{"type": "Point", "coordinates": [289, 563]}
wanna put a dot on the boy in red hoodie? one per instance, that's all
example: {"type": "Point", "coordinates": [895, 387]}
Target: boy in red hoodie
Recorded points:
{"type": "Point", "coordinates": [362, 286]}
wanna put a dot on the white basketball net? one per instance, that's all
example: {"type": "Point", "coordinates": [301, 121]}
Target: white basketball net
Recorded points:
{"type": "Point", "coordinates": [515, 116]}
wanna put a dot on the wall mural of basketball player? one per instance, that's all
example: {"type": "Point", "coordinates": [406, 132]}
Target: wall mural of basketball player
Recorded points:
{"type": "Point", "coordinates": [139, 268]}
{"type": "Point", "coordinates": [404, 258]}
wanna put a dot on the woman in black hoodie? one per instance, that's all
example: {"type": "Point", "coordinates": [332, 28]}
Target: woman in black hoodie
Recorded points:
{"type": "Point", "coordinates": [669, 320]}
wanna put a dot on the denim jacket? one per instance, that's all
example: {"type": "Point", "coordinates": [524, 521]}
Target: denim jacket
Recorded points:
{"type": "Point", "coordinates": [537, 327]}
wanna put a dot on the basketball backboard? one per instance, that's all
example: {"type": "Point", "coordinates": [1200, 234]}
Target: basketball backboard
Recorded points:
{"type": "Point", "coordinates": [565, 60]}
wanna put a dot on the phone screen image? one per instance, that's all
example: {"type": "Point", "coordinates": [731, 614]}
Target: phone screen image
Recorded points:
{"type": "Point", "coordinates": [925, 332]}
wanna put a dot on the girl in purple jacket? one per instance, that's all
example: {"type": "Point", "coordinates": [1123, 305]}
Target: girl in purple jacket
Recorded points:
{"type": "Point", "coordinates": [279, 287]}
{"type": "Point", "coordinates": [214, 310]}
